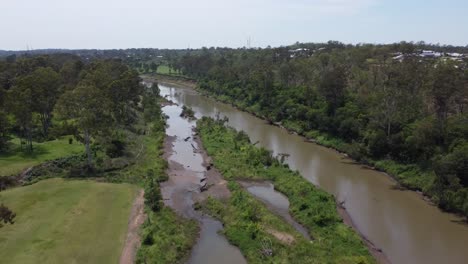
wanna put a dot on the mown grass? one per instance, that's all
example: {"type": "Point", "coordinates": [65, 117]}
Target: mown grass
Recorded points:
{"type": "Point", "coordinates": [66, 221]}
{"type": "Point", "coordinates": [17, 160]}
{"type": "Point", "coordinates": [166, 70]}
{"type": "Point", "coordinates": [236, 158]}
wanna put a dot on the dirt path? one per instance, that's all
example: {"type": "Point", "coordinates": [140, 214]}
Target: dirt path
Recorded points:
{"type": "Point", "coordinates": [132, 242]}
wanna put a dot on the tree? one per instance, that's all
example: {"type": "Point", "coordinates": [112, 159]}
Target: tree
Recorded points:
{"type": "Point", "coordinates": [154, 66]}
{"type": "Point", "coordinates": [45, 84]}
{"type": "Point", "coordinates": [446, 81]}
{"type": "Point", "coordinates": [20, 104]}
{"type": "Point", "coordinates": [4, 126]}
{"type": "Point", "coordinates": [89, 107]}
{"type": "Point", "coordinates": [4, 122]}
{"type": "Point", "coordinates": [452, 168]}
{"type": "Point", "coordinates": [124, 93]}
{"type": "Point", "coordinates": [153, 195]}
{"type": "Point", "coordinates": [70, 73]}
{"type": "Point", "coordinates": [332, 86]}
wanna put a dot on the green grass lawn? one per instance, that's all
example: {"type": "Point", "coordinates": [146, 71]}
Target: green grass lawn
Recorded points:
{"type": "Point", "coordinates": [16, 160]}
{"type": "Point", "coordinates": [164, 69]}
{"type": "Point", "coordinates": [66, 221]}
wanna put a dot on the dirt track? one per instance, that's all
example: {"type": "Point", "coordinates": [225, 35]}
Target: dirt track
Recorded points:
{"type": "Point", "coordinates": [132, 241]}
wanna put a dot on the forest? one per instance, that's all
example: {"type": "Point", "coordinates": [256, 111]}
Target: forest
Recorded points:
{"type": "Point", "coordinates": [384, 105]}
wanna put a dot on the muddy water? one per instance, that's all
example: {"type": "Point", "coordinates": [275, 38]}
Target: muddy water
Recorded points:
{"type": "Point", "coordinates": [212, 248]}
{"type": "Point", "coordinates": [275, 201]}
{"type": "Point", "coordinates": [185, 172]}
{"type": "Point", "coordinates": [403, 225]}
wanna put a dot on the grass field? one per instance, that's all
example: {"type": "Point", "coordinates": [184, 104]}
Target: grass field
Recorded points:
{"type": "Point", "coordinates": [16, 160]}
{"type": "Point", "coordinates": [64, 221]}
{"type": "Point", "coordinates": [164, 69]}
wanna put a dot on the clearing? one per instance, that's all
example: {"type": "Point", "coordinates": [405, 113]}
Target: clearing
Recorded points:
{"type": "Point", "coordinates": [66, 221]}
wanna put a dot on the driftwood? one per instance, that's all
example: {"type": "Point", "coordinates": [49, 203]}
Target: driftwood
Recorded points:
{"type": "Point", "coordinates": [267, 249]}
{"type": "Point", "coordinates": [204, 187]}
{"type": "Point", "coordinates": [342, 204]}
{"type": "Point", "coordinates": [283, 156]}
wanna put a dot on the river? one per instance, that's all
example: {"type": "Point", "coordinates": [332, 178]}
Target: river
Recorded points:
{"type": "Point", "coordinates": [401, 223]}
{"type": "Point", "coordinates": [185, 173]}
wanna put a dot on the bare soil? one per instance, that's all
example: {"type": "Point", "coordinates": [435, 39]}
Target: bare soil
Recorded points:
{"type": "Point", "coordinates": [133, 241]}
{"type": "Point", "coordinates": [283, 237]}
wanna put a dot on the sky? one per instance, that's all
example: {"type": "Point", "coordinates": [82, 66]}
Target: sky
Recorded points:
{"type": "Point", "coordinates": [109, 24]}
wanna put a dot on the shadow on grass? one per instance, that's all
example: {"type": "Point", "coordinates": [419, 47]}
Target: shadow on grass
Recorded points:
{"type": "Point", "coordinates": [23, 153]}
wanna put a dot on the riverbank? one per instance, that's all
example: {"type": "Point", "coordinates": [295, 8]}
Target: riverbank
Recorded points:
{"type": "Point", "coordinates": [238, 159]}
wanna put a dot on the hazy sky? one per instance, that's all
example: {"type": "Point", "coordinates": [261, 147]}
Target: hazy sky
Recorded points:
{"type": "Point", "coordinates": [195, 23]}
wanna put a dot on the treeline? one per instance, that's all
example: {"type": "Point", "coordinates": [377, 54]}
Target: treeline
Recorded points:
{"type": "Point", "coordinates": [408, 116]}
{"type": "Point", "coordinates": [45, 97]}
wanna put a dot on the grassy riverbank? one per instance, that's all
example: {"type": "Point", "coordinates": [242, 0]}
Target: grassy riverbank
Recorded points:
{"type": "Point", "coordinates": [237, 159]}
{"type": "Point", "coordinates": [66, 221]}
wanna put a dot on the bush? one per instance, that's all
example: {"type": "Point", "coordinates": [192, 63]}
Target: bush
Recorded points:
{"type": "Point", "coordinates": [153, 195]}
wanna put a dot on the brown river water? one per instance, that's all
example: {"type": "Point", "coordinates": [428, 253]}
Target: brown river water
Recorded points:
{"type": "Point", "coordinates": [407, 228]}
{"type": "Point", "coordinates": [185, 173]}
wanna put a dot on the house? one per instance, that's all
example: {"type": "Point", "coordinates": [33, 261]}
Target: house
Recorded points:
{"type": "Point", "coordinates": [455, 55]}
{"type": "Point", "coordinates": [430, 54]}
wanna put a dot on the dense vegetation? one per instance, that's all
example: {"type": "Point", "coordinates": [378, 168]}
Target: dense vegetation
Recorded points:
{"type": "Point", "coordinates": [247, 222]}
{"type": "Point", "coordinates": [43, 98]}
{"type": "Point", "coordinates": [405, 115]}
